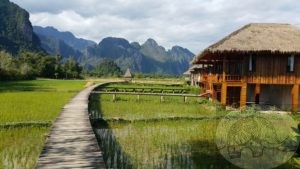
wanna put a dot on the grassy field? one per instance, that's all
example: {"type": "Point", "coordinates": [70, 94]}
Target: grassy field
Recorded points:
{"type": "Point", "coordinates": [27, 110]}
{"type": "Point", "coordinates": [153, 134]}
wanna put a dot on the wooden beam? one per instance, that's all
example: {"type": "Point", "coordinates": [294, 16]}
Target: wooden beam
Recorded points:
{"type": "Point", "coordinates": [243, 97]}
{"type": "Point", "coordinates": [223, 95]}
{"type": "Point", "coordinates": [295, 98]}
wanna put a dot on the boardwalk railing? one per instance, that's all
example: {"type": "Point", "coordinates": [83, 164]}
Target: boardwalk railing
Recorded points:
{"type": "Point", "coordinates": [144, 90]}
{"type": "Point", "coordinates": [138, 94]}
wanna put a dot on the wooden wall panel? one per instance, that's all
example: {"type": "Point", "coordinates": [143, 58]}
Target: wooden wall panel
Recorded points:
{"type": "Point", "coordinates": [271, 69]}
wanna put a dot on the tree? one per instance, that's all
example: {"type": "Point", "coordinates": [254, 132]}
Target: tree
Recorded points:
{"type": "Point", "coordinates": [28, 65]}
{"type": "Point", "coordinates": [57, 67]}
{"type": "Point", "coordinates": [72, 69]}
{"type": "Point", "coordinates": [108, 68]}
{"type": "Point", "coordinates": [7, 66]}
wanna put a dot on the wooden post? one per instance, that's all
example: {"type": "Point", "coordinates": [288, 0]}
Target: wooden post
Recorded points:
{"type": "Point", "coordinates": [114, 97]}
{"type": "Point", "coordinates": [185, 99]}
{"type": "Point", "coordinates": [138, 97]}
{"type": "Point", "coordinates": [257, 93]}
{"type": "Point", "coordinates": [295, 98]}
{"type": "Point", "coordinates": [161, 98]}
{"type": "Point", "coordinates": [243, 97]}
{"type": "Point", "coordinates": [223, 95]}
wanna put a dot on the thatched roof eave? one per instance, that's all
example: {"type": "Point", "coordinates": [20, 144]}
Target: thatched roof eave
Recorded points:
{"type": "Point", "coordinates": [271, 38]}
{"type": "Point", "coordinates": [204, 54]}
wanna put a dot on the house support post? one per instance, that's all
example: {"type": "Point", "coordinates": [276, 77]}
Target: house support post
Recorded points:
{"type": "Point", "coordinates": [295, 98]}
{"type": "Point", "coordinates": [257, 93]}
{"type": "Point", "coordinates": [243, 97]}
{"type": "Point", "coordinates": [224, 85]}
{"type": "Point", "coordinates": [223, 95]}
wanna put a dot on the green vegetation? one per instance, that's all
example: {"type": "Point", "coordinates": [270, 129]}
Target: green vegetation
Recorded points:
{"type": "Point", "coordinates": [174, 133]}
{"type": "Point", "coordinates": [27, 109]}
{"type": "Point", "coordinates": [149, 107]}
{"type": "Point", "coordinates": [29, 65]}
{"type": "Point", "coordinates": [20, 147]}
{"type": "Point", "coordinates": [31, 106]}
{"type": "Point", "coordinates": [153, 134]}
{"type": "Point", "coordinates": [106, 68]}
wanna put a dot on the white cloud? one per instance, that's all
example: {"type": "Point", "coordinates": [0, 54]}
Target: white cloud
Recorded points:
{"type": "Point", "coordinates": [193, 24]}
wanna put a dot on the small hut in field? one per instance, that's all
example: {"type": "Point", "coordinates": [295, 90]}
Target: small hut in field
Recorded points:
{"type": "Point", "coordinates": [128, 75]}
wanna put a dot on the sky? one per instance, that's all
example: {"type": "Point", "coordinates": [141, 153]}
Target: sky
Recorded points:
{"type": "Point", "coordinates": [193, 24]}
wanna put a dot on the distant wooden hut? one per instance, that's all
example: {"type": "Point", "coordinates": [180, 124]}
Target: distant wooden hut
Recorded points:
{"type": "Point", "coordinates": [193, 75]}
{"type": "Point", "coordinates": [259, 63]}
{"type": "Point", "coordinates": [128, 75]}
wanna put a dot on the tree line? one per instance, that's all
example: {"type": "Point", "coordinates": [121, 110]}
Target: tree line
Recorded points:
{"type": "Point", "coordinates": [28, 65]}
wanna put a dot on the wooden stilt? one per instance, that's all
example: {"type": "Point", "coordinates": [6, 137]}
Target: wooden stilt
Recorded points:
{"type": "Point", "coordinates": [223, 95]}
{"type": "Point", "coordinates": [243, 97]}
{"type": "Point", "coordinates": [295, 98]}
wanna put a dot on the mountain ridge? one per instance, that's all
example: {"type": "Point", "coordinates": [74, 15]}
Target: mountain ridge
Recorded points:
{"type": "Point", "coordinates": [148, 57]}
{"type": "Point", "coordinates": [16, 33]}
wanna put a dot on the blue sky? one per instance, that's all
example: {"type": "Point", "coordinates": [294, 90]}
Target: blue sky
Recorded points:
{"type": "Point", "coordinates": [193, 24]}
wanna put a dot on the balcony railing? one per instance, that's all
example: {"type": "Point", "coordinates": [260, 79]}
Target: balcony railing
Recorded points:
{"type": "Point", "coordinates": [279, 79]}
{"type": "Point", "coordinates": [215, 78]}
{"type": "Point", "coordinates": [233, 78]}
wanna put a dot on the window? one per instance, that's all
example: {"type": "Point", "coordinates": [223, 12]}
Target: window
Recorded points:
{"type": "Point", "coordinates": [252, 63]}
{"type": "Point", "coordinates": [291, 64]}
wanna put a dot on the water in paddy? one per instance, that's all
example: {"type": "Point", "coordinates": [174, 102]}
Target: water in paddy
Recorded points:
{"type": "Point", "coordinates": [157, 144]}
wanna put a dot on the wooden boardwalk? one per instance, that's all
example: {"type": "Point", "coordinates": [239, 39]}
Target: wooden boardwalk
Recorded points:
{"type": "Point", "coordinates": [72, 142]}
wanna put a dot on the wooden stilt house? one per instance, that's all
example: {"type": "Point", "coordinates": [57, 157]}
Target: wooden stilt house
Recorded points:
{"type": "Point", "coordinates": [257, 64]}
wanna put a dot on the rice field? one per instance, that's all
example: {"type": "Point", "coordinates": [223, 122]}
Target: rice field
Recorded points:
{"type": "Point", "coordinates": [148, 133]}
{"type": "Point", "coordinates": [27, 110]}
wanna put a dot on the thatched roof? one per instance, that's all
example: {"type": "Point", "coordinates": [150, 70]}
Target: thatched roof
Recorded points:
{"type": "Point", "coordinates": [192, 69]}
{"type": "Point", "coordinates": [196, 66]}
{"type": "Point", "coordinates": [271, 37]}
{"type": "Point", "coordinates": [128, 74]}
{"type": "Point", "coordinates": [188, 72]}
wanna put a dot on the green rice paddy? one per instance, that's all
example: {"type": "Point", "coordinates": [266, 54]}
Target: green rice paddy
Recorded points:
{"type": "Point", "coordinates": [134, 133]}
{"type": "Point", "coordinates": [27, 110]}
{"type": "Point", "coordinates": [148, 133]}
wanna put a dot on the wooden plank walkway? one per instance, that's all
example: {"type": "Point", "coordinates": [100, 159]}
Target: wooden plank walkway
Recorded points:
{"type": "Point", "coordinates": [72, 142]}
